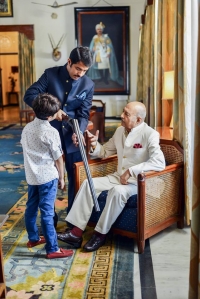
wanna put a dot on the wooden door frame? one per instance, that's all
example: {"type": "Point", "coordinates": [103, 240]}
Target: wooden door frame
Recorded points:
{"type": "Point", "coordinates": [28, 30]}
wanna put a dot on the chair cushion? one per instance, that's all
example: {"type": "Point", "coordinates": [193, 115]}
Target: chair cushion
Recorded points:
{"type": "Point", "coordinates": [97, 109]}
{"type": "Point", "coordinates": [127, 220]}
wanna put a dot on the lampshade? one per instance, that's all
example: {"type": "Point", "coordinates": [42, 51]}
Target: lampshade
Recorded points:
{"type": "Point", "coordinates": [168, 86]}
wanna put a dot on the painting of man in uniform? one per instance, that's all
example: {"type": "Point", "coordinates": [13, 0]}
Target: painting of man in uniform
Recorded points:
{"type": "Point", "coordinates": [105, 67]}
{"type": "Point", "coordinates": [106, 32]}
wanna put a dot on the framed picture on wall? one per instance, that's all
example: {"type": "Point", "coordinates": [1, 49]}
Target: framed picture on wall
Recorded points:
{"type": "Point", "coordinates": [106, 31]}
{"type": "Point", "coordinates": [6, 8]}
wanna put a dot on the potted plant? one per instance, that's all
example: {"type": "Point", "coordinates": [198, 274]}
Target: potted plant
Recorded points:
{"type": "Point", "coordinates": [12, 82]}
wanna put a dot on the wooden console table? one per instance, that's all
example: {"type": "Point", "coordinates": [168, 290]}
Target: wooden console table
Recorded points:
{"type": "Point", "coordinates": [165, 132]}
{"type": "Point", "coordinates": [13, 95]}
{"type": "Point", "coordinates": [3, 219]}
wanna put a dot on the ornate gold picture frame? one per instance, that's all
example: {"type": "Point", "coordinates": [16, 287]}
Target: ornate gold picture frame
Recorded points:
{"type": "Point", "coordinates": [6, 8]}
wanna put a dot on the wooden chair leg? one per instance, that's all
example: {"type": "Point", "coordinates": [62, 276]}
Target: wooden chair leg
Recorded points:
{"type": "Point", "coordinates": [141, 245]}
{"type": "Point", "coordinates": [180, 223]}
{"type": "Point", "coordinates": [2, 291]}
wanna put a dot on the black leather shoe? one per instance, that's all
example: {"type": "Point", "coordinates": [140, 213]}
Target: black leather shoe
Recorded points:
{"type": "Point", "coordinates": [94, 243]}
{"type": "Point", "coordinates": [71, 239]}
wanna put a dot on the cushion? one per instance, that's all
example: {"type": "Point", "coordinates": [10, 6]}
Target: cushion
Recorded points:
{"type": "Point", "coordinates": [127, 220]}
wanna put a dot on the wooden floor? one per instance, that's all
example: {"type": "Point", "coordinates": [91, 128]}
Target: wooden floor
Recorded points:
{"type": "Point", "coordinates": [9, 115]}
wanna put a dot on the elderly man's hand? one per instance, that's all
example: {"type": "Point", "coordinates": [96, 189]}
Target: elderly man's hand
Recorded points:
{"type": "Point", "coordinates": [59, 115]}
{"type": "Point", "coordinates": [124, 177]}
{"type": "Point", "coordinates": [92, 138]}
{"type": "Point", "coordinates": [75, 140]}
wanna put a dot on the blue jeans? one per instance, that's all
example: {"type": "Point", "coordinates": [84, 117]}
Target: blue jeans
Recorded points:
{"type": "Point", "coordinates": [42, 197]}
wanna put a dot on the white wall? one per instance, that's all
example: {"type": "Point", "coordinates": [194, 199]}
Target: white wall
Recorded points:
{"type": "Point", "coordinates": [40, 16]}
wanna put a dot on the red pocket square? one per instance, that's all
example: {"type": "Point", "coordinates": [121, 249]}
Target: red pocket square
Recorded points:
{"type": "Point", "coordinates": [137, 145]}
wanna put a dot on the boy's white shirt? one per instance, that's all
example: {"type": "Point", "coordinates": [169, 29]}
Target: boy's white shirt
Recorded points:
{"type": "Point", "coordinates": [41, 148]}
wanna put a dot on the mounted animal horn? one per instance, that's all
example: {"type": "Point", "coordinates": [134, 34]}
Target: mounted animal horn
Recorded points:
{"type": "Point", "coordinates": [56, 54]}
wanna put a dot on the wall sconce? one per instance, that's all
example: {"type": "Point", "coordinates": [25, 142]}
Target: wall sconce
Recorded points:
{"type": "Point", "coordinates": [168, 92]}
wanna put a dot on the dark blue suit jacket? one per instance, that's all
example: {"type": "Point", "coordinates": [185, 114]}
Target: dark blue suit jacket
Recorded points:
{"type": "Point", "coordinates": [75, 97]}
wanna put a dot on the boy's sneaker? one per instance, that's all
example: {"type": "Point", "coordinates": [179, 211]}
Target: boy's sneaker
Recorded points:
{"type": "Point", "coordinates": [33, 244]}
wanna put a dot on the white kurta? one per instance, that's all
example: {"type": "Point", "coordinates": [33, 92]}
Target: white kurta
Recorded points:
{"type": "Point", "coordinates": [148, 157]}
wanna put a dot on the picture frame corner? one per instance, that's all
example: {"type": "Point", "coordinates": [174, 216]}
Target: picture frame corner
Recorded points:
{"type": "Point", "coordinates": [6, 9]}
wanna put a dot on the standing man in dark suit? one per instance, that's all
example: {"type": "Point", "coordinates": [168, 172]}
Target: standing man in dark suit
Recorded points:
{"type": "Point", "coordinates": [75, 92]}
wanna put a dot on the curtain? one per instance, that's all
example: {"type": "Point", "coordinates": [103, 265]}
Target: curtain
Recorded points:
{"type": "Point", "coordinates": [182, 96]}
{"type": "Point", "coordinates": [187, 107]}
{"type": "Point", "coordinates": [177, 48]}
{"type": "Point", "coordinates": [26, 66]}
{"type": "Point", "coordinates": [167, 47]}
{"type": "Point", "coordinates": [194, 278]}
{"type": "Point", "coordinates": [166, 54]}
{"type": "Point", "coordinates": [145, 78]}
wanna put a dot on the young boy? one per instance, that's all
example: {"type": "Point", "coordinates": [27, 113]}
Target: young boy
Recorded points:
{"type": "Point", "coordinates": [44, 171]}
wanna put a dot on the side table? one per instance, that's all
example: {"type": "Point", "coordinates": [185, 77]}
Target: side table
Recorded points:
{"type": "Point", "coordinates": [13, 95]}
{"type": "Point", "coordinates": [3, 219]}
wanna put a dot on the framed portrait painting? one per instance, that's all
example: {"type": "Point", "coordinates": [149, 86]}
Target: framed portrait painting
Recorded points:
{"type": "Point", "coordinates": [105, 30]}
{"type": "Point", "coordinates": [6, 8]}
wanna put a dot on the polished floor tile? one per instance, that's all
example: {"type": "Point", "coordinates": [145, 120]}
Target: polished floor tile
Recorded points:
{"type": "Point", "coordinates": [170, 252]}
{"type": "Point", "coordinates": [9, 114]}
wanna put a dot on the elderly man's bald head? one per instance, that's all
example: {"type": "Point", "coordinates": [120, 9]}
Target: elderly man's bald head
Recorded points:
{"type": "Point", "coordinates": [133, 115]}
{"type": "Point", "coordinates": [138, 108]}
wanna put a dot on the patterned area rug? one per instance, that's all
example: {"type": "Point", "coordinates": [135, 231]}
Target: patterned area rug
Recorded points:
{"type": "Point", "coordinates": [12, 176]}
{"type": "Point", "coordinates": [28, 273]}
{"type": "Point", "coordinates": [106, 273]}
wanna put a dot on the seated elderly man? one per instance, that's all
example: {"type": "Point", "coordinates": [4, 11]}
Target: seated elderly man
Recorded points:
{"type": "Point", "coordinates": [137, 148]}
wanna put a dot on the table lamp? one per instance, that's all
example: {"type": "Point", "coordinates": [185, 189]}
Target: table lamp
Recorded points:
{"type": "Point", "coordinates": [168, 90]}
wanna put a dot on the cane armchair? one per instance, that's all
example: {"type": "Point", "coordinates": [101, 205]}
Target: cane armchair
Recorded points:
{"type": "Point", "coordinates": [159, 202]}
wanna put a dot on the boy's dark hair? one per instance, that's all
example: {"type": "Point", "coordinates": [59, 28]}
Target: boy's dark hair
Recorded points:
{"type": "Point", "coordinates": [82, 54]}
{"type": "Point", "coordinates": [45, 105]}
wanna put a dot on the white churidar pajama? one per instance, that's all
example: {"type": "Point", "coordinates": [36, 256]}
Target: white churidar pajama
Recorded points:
{"type": "Point", "coordinates": [115, 202]}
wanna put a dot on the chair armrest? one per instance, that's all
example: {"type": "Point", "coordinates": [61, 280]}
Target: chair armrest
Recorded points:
{"type": "Point", "coordinates": [160, 196]}
{"type": "Point", "coordinates": [98, 168]}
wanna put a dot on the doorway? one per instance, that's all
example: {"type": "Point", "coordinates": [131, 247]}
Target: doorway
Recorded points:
{"type": "Point", "coordinates": [11, 85]}
{"type": "Point", "coordinates": [9, 64]}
